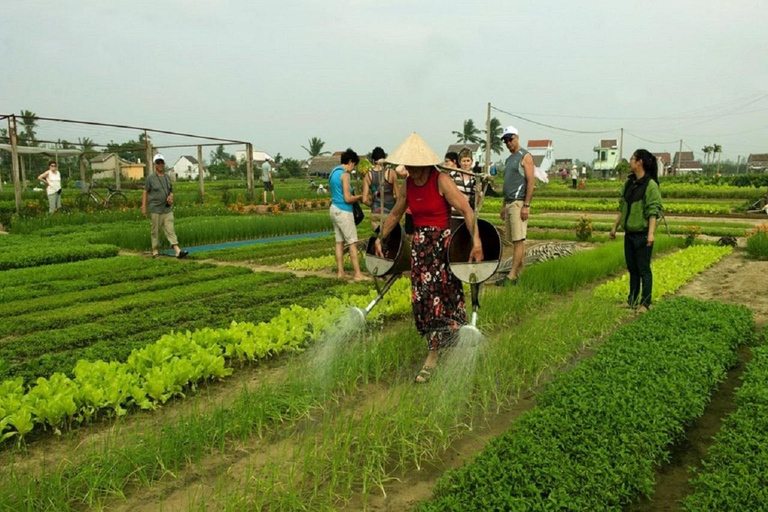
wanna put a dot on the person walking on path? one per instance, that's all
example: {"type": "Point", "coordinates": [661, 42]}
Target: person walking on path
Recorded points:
{"type": "Point", "coordinates": [437, 295]}
{"type": "Point", "coordinates": [518, 190]}
{"type": "Point", "coordinates": [639, 210]}
{"type": "Point", "coordinates": [52, 180]}
{"type": "Point", "coordinates": [266, 179]}
{"type": "Point", "coordinates": [379, 186]}
{"type": "Point", "coordinates": [342, 199]}
{"type": "Point", "coordinates": [157, 200]}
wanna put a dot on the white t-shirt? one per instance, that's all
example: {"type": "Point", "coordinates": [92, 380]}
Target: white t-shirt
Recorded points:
{"type": "Point", "coordinates": [54, 182]}
{"type": "Point", "coordinates": [574, 174]}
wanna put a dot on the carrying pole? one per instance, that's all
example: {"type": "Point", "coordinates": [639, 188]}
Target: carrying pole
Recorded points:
{"type": "Point", "coordinates": [15, 161]}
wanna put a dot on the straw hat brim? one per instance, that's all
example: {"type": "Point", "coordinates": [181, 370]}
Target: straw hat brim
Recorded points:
{"type": "Point", "coordinates": [414, 152]}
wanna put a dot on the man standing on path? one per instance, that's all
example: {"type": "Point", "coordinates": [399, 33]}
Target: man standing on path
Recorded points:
{"type": "Point", "coordinates": [157, 199]}
{"type": "Point", "coordinates": [574, 176]}
{"type": "Point", "coordinates": [266, 179]}
{"type": "Point", "coordinates": [518, 191]}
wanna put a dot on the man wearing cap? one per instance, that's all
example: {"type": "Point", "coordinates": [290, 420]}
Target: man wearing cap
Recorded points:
{"type": "Point", "coordinates": [266, 179]}
{"type": "Point", "coordinates": [518, 191]}
{"type": "Point", "coordinates": [157, 199]}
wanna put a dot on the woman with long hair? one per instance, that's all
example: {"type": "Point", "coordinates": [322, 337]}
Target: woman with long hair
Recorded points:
{"type": "Point", "coordinates": [639, 209]}
{"type": "Point", "coordinates": [379, 187]}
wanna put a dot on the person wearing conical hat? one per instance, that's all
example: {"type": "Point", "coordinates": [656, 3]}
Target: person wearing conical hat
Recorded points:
{"type": "Point", "coordinates": [437, 296]}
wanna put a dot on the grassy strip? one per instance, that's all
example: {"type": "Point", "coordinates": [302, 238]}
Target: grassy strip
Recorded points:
{"type": "Point", "coordinates": [101, 271]}
{"type": "Point", "coordinates": [669, 273]}
{"type": "Point", "coordinates": [675, 229]}
{"type": "Point", "coordinates": [735, 472]}
{"type": "Point", "coordinates": [572, 272]}
{"type": "Point", "coordinates": [36, 252]}
{"type": "Point", "coordinates": [612, 190]}
{"type": "Point", "coordinates": [593, 441]}
{"type": "Point", "coordinates": [670, 207]}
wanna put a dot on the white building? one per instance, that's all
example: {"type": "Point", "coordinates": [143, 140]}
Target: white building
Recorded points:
{"type": "Point", "coordinates": [607, 157]}
{"type": "Point", "coordinates": [543, 154]}
{"type": "Point", "coordinates": [259, 157]}
{"type": "Point", "coordinates": [186, 167]}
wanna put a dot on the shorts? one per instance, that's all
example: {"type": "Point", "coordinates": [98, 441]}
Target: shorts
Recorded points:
{"type": "Point", "coordinates": [343, 225]}
{"type": "Point", "coordinates": [268, 186]}
{"type": "Point", "coordinates": [515, 228]}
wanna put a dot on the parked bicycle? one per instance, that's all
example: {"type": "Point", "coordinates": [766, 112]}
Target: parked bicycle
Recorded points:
{"type": "Point", "coordinates": [89, 196]}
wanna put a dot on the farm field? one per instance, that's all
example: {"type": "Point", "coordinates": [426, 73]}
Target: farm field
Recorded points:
{"type": "Point", "coordinates": [235, 381]}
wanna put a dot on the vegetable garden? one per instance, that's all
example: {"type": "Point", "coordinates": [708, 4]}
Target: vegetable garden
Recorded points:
{"type": "Point", "coordinates": [236, 381]}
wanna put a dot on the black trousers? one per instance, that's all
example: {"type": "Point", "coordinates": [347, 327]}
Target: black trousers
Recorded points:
{"type": "Point", "coordinates": [637, 254]}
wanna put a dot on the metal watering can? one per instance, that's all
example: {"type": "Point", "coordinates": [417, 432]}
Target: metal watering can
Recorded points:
{"type": "Point", "coordinates": [396, 260]}
{"type": "Point", "coordinates": [474, 273]}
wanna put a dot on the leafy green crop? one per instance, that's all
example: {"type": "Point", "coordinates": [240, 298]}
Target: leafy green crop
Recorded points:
{"type": "Point", "coordinates": [598, 431]}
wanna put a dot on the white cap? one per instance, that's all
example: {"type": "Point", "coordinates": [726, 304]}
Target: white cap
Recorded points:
{"type": "Point", "coordinates": [158, 157]}
{"type": "Point", "coordinates": [509, 130]}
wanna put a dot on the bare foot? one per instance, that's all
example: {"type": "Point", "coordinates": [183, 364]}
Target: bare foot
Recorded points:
{"type": "Point", "coordinates": [359, 278]}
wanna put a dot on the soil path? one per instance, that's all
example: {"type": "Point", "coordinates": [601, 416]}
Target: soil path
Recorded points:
{"type": "Point", "coordinates": [735, 280]}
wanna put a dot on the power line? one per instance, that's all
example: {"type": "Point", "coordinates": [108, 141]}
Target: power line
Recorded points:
{"type": "Point", "coordinates": [651, 141]}
{"type": "Point", "coordinates": [553, 127]}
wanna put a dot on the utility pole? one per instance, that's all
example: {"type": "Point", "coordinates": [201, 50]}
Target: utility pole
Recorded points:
{"type": "Point", "coordinates": [148, 146]}
{"type": "Point", "coordinates": [738, 163]}
{"type": "Point", "coordinates": [200, 172]}
{"type": "Point", "coordinates": [15, 161]}
{"type": "Point", "coordinates": [679, 156]}
{"type": "Point", "coordinates": [249, 169]}
{"type": "Point", "coordinates": [621, 146]}
{"type": "Point", "coordinates": [487, 141]}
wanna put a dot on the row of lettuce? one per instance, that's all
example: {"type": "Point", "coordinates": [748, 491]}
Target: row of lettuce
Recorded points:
{"type": "Point", "coordinates": [164, 369]}
{"type": "Point", "coordinates": [598, 432]}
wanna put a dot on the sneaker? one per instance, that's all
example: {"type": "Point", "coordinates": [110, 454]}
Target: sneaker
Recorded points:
{"type": "Point", "coordinates": [182, 254]}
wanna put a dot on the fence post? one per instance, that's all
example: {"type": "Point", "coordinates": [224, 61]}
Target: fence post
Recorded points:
{"type": "Point", "coordinates": [249, 168]}
{"type": "Point", "coordinates": [15, 162]}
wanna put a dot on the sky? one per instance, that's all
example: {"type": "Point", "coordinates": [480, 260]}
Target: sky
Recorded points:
{"type": "Point", "coordinates": [363, 73]}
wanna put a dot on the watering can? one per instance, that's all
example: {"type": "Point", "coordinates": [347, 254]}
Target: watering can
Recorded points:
{"type": "Point", "coordinates": [478, 272]}
{"type": "Point", "coordinates": [397, 259]}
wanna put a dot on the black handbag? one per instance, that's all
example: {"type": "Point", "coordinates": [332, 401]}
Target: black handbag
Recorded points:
{"type": "Point", "coordinates": [358, 213]}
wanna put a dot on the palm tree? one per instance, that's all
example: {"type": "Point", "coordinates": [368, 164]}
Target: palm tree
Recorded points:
{"type": "Point", "coordinates": [717, 149]}
{"type": "Point", "coordinates": [469, 134]}
{"type": "Point", "coordinates": [496, 131]}
{"type": "Point", "coordinates": [29, 122]}
{"type": "Point", "coordinates": [707, 150]}
{"type": "Point", "coordinates": [88, 147]}
{"type": "Point", "coordinates": [219, 156]}
{"type": "Point", "coordinates": [316, 147]}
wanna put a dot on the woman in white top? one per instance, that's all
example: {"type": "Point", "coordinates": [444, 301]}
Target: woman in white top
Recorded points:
{"type": "Point", "coordinates": [52, 180]}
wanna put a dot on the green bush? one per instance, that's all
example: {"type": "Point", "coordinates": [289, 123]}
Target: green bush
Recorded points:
{"type": "Point", "coordinates": [757, 243]}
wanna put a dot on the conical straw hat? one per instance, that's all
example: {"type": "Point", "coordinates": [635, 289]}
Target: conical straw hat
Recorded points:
{"type": "Point", "coordinates": [414, 152]}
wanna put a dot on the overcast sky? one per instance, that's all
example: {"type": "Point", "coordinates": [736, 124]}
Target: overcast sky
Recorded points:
{"type": "Point", "coordinates": [362, 73]}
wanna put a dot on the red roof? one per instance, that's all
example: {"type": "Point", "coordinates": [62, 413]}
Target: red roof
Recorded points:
{"type": "Point", "coordinates": [543, 143]}
{"type": "Point", "coordinates": [608, 143]}
{"type": "Point", "coordinates": [665, 157]}
{"type": "Point", "coordinates": [690, 164]}
{"type": "Point", "coordinates": [758, 157]}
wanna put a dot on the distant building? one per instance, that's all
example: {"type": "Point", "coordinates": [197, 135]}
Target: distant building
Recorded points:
{"type": "Point", "coordinates": [543, 153]}
{"type": "Point", "coordinates": [186, 167]}
{"type": "Point", "coordinates": [322, 165]}
{"type": "Point", "coordinates": [607, 156]}
{"type": "Point", "coordinates": [259, 157]}
{"type": "Point", "coordinates": [688, 167]}
{"type": "Point", "coordinates": [664, 161]}
{"type": "Point", "coordinates": [105, 165]}
{"type": "Point", "coordinates": [757, 162]}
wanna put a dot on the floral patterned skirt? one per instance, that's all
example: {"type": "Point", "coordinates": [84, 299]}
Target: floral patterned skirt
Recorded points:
{"type": "Point", "coordinates": [437, 295]}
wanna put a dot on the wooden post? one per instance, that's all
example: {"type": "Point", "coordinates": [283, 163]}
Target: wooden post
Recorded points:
{"type": "Point", "coordinates": [83, 179]}
{"type": "Point", "coordinates": [15, 162]}
{"type": "Point", "coordinates": [621, 146]}
{"type": "Point", "coordinates": [148, 168]}
{"type": "Point", "coordinates": [118, 170]}
{"type": "Point", "coordinates": [23, 172]}
{"type": "Point", "coordinates": [200, 173]}
{"type": "Point", "coordinates": [249, 169]}
{"type": "Point", "coordinates": [487, 166]}
{"type": "Point", "coordinates": [679, 157]}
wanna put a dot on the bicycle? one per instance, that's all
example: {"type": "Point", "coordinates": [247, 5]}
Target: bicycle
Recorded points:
{"type": "Point", "coordinates": [115, 198]}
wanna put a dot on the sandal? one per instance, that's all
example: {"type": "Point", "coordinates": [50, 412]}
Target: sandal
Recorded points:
{"type": "Point", "coordinates": [424, 374]}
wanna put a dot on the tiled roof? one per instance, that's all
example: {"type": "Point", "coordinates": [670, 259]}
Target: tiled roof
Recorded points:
{"type": "Point", "coordinates": [684, 156]}
{"type": "Point", "coordinates": [665, 157]}
{"type": "Point", "coordinates": [541, 143]}
{"type": "Point", "coordinates": [323, 164]}
{"type": "Point", "coordinates": [758, 157]}
{"type": "Point", "coordinates": [608, 143]}
{"type": "Point", "coordinates": [690, 164]}
{"type": "Point", "coordinates": [190, 158]}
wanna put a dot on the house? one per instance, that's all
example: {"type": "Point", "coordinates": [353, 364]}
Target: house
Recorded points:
{"type": "Point", "coordinates": [477, 150]}
{"type": "Point", "coordinates": [543, 153]}
{"type": "Point", "coordinates": [757, 162]}
{"type": "Point", "coordinates": [688, 167]}
{"type": "Point", "coordinates": [607, 157]}
{"type": "Point", "coordinates": [680, 157]}
{"type": "Point", "coordinates": [258, 157]}
{"type": "Point", "coordinates": [186, 167]}
{"type": "Point", "coordinates": [322, 165]}
{"type": "Point", "coordinates": [105, 165]}
{"type": "Point", "coordinates": [664, 163]}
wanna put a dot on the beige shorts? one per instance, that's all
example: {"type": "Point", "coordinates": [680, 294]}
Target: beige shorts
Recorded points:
{"type": "Point", "coordinates": [343, 225]}
{"type": "Point", "coordinates": [515, 228]}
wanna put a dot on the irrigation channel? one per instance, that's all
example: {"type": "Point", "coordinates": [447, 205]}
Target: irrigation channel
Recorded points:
{"type": "Point", "coordinates": [255, 241]}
